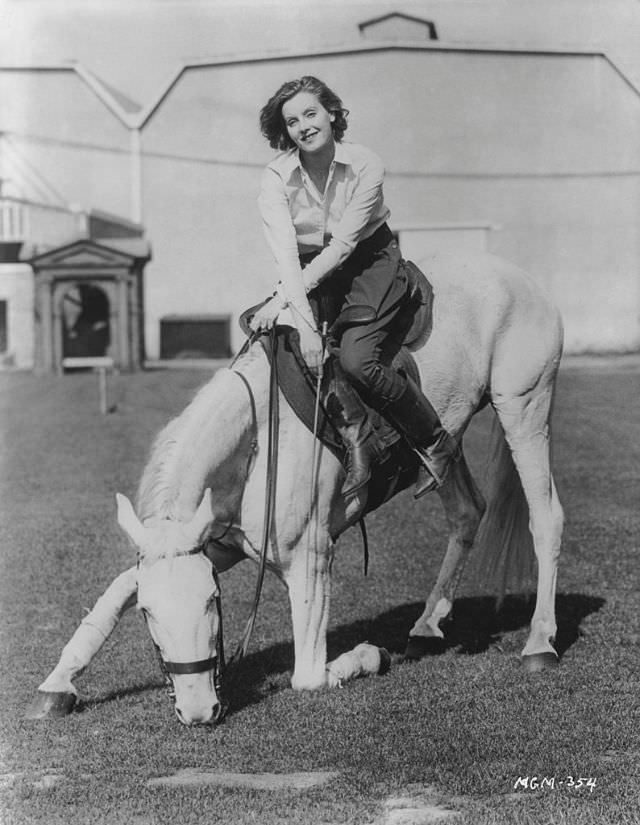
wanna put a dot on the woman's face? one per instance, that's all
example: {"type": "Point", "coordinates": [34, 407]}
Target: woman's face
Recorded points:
{"type": "Point", "coordinates": [308, 123]}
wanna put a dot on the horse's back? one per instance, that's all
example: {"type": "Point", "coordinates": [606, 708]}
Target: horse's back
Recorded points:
{"type": "Point", "coordinates": [494, 328]}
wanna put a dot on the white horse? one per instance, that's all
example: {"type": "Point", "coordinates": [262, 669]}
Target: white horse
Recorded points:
{"type": "Point", "coordinates": [496, 337]}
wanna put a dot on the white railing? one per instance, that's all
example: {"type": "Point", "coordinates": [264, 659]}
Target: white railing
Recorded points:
{"type": "Point", "coordinates": [14, 220]}
{"type": "Point", "coordinates": [40, 223]}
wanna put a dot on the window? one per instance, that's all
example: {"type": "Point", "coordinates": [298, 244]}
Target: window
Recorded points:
{"type": "Point", "coordinates": [195, 336]}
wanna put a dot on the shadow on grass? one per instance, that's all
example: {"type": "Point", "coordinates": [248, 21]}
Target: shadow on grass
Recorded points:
{"type": "Point", "coordinates": [85, 704]}
{"type": "Point", "coordinates": [477, 623]}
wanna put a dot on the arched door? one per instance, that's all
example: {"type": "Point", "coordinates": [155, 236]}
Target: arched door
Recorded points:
{"type": "Point", "coordinates": [85, 316]}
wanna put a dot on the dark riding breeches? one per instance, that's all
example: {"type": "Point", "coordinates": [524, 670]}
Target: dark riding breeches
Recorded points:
{"type": "Point", "coordinates": [373, 276]}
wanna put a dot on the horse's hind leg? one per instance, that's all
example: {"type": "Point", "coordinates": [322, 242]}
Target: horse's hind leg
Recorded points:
{"type": "Point", "coordinates": [464, 507]}
{"type": "Point", "coordinates": [525, 420]}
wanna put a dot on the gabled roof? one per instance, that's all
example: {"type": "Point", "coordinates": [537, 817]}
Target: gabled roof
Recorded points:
{"type": "Point", "coordinates": [122, 106]}
{"type": "Point", "coordinates": [134, 116]}
{"type": "Point", "coordinates": [147, 112]}
{"type": "Point", "coordinates": [428, 24]}
{"type": "Point", "coordinates": [116, 96]}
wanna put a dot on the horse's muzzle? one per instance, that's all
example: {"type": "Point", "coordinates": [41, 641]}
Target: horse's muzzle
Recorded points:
{"type": "Point", "coordinates": [194, 717]}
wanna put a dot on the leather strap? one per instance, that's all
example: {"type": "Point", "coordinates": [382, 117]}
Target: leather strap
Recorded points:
{"type": "Point", "coordinates": [182, 668]}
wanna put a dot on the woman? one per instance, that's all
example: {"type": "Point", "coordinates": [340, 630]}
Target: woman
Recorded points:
{"type": "Point", "coordinates": [325, 219]}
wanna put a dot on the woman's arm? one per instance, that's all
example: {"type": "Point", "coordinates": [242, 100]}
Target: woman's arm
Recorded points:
{"type": "Point", "coordinates": [367, 197]}
{"type": "Point", "coordinates": [281, 237]}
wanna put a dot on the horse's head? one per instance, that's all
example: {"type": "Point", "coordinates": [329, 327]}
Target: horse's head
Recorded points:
{"type": "Point", "coordinates": [179, 597]}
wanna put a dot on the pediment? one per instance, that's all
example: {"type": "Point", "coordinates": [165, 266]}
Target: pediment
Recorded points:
{"type": "Point", "coordinates": [85, 254]}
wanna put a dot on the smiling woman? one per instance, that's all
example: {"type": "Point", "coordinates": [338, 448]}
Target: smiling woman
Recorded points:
{"type": "Point", "coordinates": [325, 219]}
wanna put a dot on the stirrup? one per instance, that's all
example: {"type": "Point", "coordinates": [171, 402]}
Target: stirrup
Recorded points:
{"type": "Point", "coordinates": [435, 464]}
{"type": "Point", "coordinates": [426, 482]}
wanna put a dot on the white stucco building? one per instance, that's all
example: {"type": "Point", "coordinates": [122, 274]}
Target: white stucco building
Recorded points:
{"type": "Point", "coordinates": [529, 150]}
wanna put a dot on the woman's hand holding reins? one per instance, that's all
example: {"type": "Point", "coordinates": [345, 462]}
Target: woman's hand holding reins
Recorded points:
{"type": "Point", "coordinates": [267, 315]}
{"type": "Point", "coordinates": [311, 347]}
{"type": "Point", "coordinates": [311, 343]}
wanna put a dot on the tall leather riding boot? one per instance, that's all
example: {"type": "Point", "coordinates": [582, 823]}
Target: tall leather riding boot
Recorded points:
{"type": "Point", "coordinates": [350, 417]}
{"type": "Point", "coordinates": [419, 422]}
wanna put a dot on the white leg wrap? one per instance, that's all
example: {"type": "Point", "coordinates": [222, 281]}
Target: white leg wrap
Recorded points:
{"type": "Point", "coordinates": [93, 632]}
{"type": "Point", "coordinates": [363, 660]}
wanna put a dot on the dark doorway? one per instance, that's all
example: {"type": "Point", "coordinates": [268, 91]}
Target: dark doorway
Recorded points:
{"type": "Point", "coordinates": [85, 322]}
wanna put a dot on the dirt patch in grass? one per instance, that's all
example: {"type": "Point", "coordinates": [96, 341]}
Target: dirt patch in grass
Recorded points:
{"type": "Point", "coordinates": [256, 781]}
{"type": "Point", "coordinates": [417, 805]}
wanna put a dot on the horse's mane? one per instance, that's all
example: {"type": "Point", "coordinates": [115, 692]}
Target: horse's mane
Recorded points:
{"type": "Point", "coordinates": [191, 446]}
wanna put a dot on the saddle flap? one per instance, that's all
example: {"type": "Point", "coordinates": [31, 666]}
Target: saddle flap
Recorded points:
{"type": "Point", "coordinates": [420, 290]}
{"type": "Point", "coordinates": [352, 316]}
{"type": "Point", "coordinates": [421, 298]}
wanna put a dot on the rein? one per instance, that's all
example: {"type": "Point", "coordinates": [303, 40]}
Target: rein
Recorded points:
{"type": "Point", "coordinates": [269, 511]}
{"type": "Point", "coordinates": [225, 676]}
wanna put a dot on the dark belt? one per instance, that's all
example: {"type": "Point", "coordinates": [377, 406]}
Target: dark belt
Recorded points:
{"type": "Point", "coordinates": [374, 243]}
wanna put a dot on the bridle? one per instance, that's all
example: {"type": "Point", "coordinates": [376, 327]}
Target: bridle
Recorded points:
{"type": "Point", "coordinates": [224, 676]}
{"type": "Point", "coordinates": [215, 663]}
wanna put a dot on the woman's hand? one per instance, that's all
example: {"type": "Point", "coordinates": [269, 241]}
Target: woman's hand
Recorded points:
{"type": "Point", "coordinates": [311, 347]}
{"type": "Point", "coordinates": [267, 315]}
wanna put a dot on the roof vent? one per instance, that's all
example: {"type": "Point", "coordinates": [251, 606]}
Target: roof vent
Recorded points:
{"type": "Point", "coordinates": [398, 26]}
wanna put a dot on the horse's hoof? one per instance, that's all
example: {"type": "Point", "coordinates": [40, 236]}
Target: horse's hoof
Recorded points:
{"type": "Point", "coordinates": [420, 646]}
{"type": "Point", "coordinates": [536, 662]}
{"type": "Point", "coordinates": [385, 661]}
{"type": "Point", "coordinates": [47, 705]}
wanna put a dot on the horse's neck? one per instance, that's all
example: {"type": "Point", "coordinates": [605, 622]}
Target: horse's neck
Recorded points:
{"type": "Point", "coordinates": [209, 444]}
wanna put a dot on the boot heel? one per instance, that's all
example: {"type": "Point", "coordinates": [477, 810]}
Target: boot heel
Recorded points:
{"type": "Point", "coordinates": [426, 483]}
{"type": "Point", "coordinates": [436, 463]}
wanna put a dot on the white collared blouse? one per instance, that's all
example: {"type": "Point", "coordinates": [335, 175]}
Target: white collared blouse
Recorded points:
{"type": "Point", "coordinates": [299, 219]}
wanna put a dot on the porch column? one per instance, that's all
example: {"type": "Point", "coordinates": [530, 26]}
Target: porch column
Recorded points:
{"type": "Point", "coordinates": [44, 323]}
{"type": "Point", "coordinates": [124, 350]}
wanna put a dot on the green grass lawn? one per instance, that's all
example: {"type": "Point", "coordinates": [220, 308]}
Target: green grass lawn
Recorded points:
{"type": "Point", "coordinates": [458, 728]}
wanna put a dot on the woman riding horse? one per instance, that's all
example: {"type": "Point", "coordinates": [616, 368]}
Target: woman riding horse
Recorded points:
{"type": "Point", "coordinates": [325, 219]}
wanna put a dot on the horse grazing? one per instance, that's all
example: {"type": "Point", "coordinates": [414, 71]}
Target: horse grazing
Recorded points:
{"type": "Point", "coordinates": [496, 338]}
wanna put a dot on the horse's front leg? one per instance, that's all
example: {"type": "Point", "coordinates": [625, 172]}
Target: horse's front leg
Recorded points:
{"type": "Point", "coordinates": [309, 582]}
{"type": "Point", "coordinates": [56, 695]}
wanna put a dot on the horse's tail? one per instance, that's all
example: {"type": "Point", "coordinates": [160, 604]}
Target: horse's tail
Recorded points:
{"type": "Point", "coordinates": [503, 548]}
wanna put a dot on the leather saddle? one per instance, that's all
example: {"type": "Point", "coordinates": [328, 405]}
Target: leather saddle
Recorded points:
{"type": "Point", "coordinates": [298, 383]}
{"type": "Point", "coordinates": [417, 316]}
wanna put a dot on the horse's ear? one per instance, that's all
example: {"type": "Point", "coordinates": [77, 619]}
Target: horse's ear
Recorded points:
{"type": "Point", "coordinates": [129, 521]}
{"type": "Point", "coordinates": [204, 514]}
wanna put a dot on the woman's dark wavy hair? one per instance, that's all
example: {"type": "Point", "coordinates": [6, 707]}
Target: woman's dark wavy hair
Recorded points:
{"type": "Point", "coordinates": [272, 124]}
